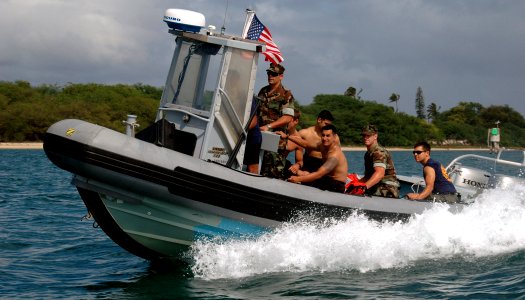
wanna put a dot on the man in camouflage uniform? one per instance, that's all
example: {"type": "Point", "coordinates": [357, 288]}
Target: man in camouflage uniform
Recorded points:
{"type": "Point", "coordinates": [380, 174]}
{"type": "Point", "coordinates": [276, 110]}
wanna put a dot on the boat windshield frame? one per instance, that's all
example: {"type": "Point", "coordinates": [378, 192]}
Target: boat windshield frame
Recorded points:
{"type": "Point", "coordinates": [212, 78]}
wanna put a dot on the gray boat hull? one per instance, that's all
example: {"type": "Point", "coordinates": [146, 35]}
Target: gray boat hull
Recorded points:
{"type": "Point", "coordinates": [155, 202]}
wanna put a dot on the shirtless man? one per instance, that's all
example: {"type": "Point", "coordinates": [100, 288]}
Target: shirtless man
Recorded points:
{"type": "Point", "coordinates": [310, 139]}
{"type": "Point", "coordinates": [331, 176]}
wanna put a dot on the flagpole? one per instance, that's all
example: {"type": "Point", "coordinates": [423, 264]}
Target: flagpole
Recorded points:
{"type": "Point", "coordinates": [249, 17]}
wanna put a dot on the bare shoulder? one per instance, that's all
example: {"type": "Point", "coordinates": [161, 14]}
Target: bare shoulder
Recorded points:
{"type": "Point", "coordinates": [428, 169]}
{"type": "Point", "coordinates": [308, 133]}
{"type": "Point", "coordinates": [338, 153]}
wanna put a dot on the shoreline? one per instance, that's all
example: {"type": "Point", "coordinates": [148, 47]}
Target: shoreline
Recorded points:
{"type": "Point", "coordinates": [36, 145]}
{"type": "Point", "coordinates": [363, 148]}
{"type": "Point", "coordinates": [22, 145]}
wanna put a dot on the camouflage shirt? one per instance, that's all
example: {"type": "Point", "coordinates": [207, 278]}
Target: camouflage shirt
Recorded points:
{"type": "Point", "coordinates": [272, 105]}
{"type": "Point", "coordinates": [378, 156]}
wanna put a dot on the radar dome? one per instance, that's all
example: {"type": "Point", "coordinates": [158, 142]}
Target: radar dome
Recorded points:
{"type": "Point", "coordinates": [185, 20]}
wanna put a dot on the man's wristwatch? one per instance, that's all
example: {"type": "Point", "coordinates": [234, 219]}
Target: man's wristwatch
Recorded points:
{"type": "Point", "coordinates": [269, 126]}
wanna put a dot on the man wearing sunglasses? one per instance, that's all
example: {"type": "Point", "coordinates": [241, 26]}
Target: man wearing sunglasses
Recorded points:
{"type": "Point", "coordinates": [276, 110]}
{"type": "Point", "coordinates": [438, 186]}
{"type": "Point", "coordinates": [380, 174]}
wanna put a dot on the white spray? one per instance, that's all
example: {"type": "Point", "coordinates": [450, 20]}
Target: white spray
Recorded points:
{"type": "Point", "coordinates": [490, 226]}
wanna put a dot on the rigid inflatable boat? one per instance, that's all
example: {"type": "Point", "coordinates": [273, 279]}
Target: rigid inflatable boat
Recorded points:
{"type": "Point", "coordinates": [156, 192]}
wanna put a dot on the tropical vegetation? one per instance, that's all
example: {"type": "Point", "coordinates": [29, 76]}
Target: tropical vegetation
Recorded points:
{"type": "Point", "coordinates": [27, 111]}
{"type": "Point", "coordinates": [466, 124]}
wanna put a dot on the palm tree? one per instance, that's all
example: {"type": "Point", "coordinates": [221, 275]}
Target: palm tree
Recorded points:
{"type": "Point", "coordinates": [351, 92]}
{"type": "Point", "coordinates": [394, 98]}
{"type": "Point", "coordinates": [432, 111]}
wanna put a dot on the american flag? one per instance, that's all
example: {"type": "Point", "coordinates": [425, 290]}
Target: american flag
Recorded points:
{"type": "Point", "coordinates": [257, 31]}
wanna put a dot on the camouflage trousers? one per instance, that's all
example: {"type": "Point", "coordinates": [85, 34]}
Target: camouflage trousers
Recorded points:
{"type": "Point", "coordinates": [384, 190]}
{"type": "Point", "coordinates": [447, 198]}
{"type": "Point", "coordinates": [273, 165]}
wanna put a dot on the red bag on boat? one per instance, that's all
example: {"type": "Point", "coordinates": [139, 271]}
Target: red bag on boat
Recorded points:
{"type": "Point", "coordinates": [353, 186]}
{"type": "Point", "coordinates": [351, 177]}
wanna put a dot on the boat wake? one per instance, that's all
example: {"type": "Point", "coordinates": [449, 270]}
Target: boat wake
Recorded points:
{"type": "Point", "coordinates": [490, 226]}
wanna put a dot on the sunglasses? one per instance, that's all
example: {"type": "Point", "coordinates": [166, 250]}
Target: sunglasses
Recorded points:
{"type": "Point", "coordinates": [273, 74]}
{"type": "Point", "coordinates": [417, 152]}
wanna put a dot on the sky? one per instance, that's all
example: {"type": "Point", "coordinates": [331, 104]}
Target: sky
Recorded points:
{"type": "Point", "coordinates": [472, 50]}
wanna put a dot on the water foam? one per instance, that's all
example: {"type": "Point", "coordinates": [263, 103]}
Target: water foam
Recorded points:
{"type": "Point", "coordinates": [490, 226]}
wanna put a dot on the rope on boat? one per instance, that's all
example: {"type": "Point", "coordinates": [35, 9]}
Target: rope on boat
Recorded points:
{"type": "Point", "coordinates": [89, 216]}
{"type": "Point", "coordinates": [86, 217]}
{"type": "Point", "coordinates": [418, 184]}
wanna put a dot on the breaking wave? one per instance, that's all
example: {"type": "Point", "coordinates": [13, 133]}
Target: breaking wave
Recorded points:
{"type": "Point", "coordinates": [492, 225]}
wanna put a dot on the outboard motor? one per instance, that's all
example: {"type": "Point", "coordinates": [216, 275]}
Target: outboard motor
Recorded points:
{"type": "Point", "coordinates": [504, 181]}
{"type": "Point", "coordinates": [470, 178]}
{"type": "Point", "coordinates": [472, 181]}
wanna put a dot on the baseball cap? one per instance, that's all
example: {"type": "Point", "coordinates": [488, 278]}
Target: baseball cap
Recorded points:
{"type": "Point", "coordinates": [369, 130]}
{"type": "Point", "coordinates": [277, 68]}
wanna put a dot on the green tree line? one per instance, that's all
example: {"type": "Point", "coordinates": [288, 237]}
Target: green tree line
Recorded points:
{"type": "Point", "coordinates": [465, 124]}
{"type": "Point", "coordinates": [27, 111]}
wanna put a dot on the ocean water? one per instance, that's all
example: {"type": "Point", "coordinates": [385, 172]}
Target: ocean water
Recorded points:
{"type": "Point", "coordinates": [48, 252]}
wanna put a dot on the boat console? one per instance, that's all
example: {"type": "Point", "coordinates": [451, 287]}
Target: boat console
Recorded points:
{"type": "Point", "coordinates": [208, 92]}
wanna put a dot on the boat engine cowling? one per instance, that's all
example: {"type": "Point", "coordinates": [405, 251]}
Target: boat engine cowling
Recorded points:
{"type": "Point", "coordinates": [504, 181]}
{"type": "Point", "coordinates": [470, 178]}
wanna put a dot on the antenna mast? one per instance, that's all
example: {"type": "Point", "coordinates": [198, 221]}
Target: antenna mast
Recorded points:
{"type": "Point", "coordinates": [223, 28]}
